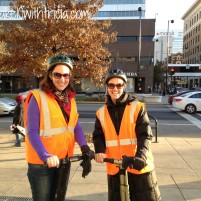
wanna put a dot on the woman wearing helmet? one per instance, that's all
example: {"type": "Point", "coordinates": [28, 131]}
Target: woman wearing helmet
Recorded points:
{"type": "Point", "coordinates": [52, 126]}
{"type": "Point", "coordinates": [122, 131]}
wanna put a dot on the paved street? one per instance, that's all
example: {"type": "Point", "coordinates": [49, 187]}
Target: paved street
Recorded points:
{"type": "Point", "coordinates": [177, 160]}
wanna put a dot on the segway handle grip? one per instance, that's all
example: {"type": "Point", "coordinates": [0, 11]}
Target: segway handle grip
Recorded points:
{"type": "Point", "coordinates": [109, 160]}
{"type": "Point", "coordinates": [113, 161]}
{"type": "Point", "coordinates": [74, 158]}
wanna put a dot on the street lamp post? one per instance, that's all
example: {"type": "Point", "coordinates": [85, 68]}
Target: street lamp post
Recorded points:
{"type": "Point", "coordinates": [160, 47]}
{"type": "Point", "coordinates": [139, 51]}
{"type": "Point", "coordinates": [166, 73]}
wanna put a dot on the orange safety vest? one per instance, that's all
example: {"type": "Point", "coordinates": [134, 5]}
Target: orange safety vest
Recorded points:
{"type": "Point", "coordinates": [56, 135]}
{"type": "Point", "coordinates": [126, 142]}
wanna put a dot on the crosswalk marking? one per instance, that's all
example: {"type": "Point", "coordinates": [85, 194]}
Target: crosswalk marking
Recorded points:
{"type": "Point", "coordinates": [176, 124]}
{"type": "Point", "coordinates": [188, 117]}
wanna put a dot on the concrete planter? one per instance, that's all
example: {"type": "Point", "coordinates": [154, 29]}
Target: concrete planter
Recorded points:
{"type": "Point", "coordinates": [152, 99]}
{"type": "Point", "coordinates": [148, 98]}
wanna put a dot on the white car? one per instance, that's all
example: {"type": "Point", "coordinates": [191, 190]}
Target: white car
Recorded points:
{"type": "Point", "coordinates": [7, 106]}
{"type": "Point", "coordinates": [189, 102]}
{"type": "Point", "coordinates": [25, 93]}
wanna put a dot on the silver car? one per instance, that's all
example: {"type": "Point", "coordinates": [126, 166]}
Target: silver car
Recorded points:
{"type": "Point", "coordinates": [7, 106]}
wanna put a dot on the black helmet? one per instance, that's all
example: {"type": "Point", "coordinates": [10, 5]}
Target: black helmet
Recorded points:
{"type": "Point", "coordinates": [115, 73]}
{"type": "Point", "coordinates": [59, 59]}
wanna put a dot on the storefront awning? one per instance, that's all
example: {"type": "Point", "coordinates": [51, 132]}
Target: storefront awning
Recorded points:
{"type": "Point", "coordinates": [187, 75]}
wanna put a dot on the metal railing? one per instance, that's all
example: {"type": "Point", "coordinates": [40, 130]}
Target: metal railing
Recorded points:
{"type": "Point", "coordinates": [155, 127]}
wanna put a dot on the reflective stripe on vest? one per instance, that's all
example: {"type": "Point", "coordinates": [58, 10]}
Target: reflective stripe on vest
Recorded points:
{"type": "Point", "coordinates": [71, 129]}
{"type": "Point", "coordinates": [112, 143]}
{"type": "Point", "coordinates": [132, 111]}
{"type": "Point", "coordinates": [48, 131]}
{"type": "Point", "coordinates": [128, 141]}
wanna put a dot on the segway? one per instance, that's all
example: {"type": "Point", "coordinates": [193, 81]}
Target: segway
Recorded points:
{"type": "Point", "coordinates": [64, 174]}
{"type": "Point", "coordinates": [124, 187]}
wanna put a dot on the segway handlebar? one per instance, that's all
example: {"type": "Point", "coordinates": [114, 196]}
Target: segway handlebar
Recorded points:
{"type": "Point", "coordinates": [73, 158]}
{"type": "Point", "coordinates": [113, 161]}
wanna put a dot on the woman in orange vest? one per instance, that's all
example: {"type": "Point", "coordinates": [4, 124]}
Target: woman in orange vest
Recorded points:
{"type": "Point", "coordinates": [51, 122]}
{"type": "Point", "coordinates": [122, 131]}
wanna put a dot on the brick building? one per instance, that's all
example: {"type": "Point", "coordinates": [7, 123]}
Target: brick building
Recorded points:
{"type": "Point", "coordinates": [125, 53]}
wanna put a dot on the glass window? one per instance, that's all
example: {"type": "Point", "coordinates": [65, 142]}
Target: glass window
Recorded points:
{"type": "Point", "coordinates": [119, 14]}
{"type": "Point", "coordinates": [134, 38]}
{"type": "Point", "coordinates": [198, 95]}
{"type": "Point", "coordinates": [124, 2]}
{"type": "Point", "coordinates": [126, 38]}
{"type": "Point", "coordinates": [5, 3]}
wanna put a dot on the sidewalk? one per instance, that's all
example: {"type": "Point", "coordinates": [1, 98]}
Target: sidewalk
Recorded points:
{"type": "Point", "coordinates": [177, 161]}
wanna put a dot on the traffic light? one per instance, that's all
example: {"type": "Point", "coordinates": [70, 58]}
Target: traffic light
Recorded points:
{"type": "Point", "coordinates": [169, 59]}
{"type": "Point", "coordinates": [172, 71]}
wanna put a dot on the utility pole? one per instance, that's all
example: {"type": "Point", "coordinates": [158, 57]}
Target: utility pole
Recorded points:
{"type": "Point", "coordinates": [166, 72]}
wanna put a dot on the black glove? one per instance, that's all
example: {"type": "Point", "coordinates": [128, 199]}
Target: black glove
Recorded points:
{"type": "Point", "coordinates": [87, 155]}
{"type": "Point", "coordinates": [133, 163]}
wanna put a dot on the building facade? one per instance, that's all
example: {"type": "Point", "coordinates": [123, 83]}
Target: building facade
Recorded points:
{"type": "Point", "coordinates": [184, 64]}
{"type": "Point", "coordinates": [121, 9]}
{"type": "Point", "coordinates": [192, 45]}
{"type": "Point", "coordinates": [135, 57]}
{"type": "Point", "coordinates": [192, 34]}
{"type": "Point", "coordinates": [185, 75]}
{"type": "Point", "coordinates": [161, 47]}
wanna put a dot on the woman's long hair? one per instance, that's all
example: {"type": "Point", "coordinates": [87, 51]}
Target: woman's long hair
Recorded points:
{"type": "Point", "coordinates": [47, 85]}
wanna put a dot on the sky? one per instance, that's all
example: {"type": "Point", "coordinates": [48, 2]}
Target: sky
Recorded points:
{"type": "Point", "coordinates": [165, 10]}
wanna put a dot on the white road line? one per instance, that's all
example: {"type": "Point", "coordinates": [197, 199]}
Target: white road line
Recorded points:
{"type": "Point", "coordinates": [151, 124]}
{"type": "Point", "coordinates": [82, 122]}
{"type": "Point", "coordinates": [88, 122]}
{"type": "Point", "coordinates": [6, 121]}
{"type": "Point", "coordinates": [176, 124]}
{"type": "Point", "coordinates": [190, 118]}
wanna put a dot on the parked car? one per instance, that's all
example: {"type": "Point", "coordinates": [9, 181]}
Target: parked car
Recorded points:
{"type": "Point", "coordinates": [7, 106]}
{"type": "Point", "coordinates": [189, 102]}
{"type": "Point", "coordinates": [196, 88]}
{"type": "Point", "coordinates": [25, 93]}
{"type": "Point", "coordinates": [171, 97]}
{"type": "Point", "coordinates": [177, 90]}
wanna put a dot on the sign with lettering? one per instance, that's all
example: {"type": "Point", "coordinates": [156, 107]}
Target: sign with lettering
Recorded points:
{"type": "Point", "coordinates": [131, 74]}
{"type": "Point", "coordinates": [171, 33]}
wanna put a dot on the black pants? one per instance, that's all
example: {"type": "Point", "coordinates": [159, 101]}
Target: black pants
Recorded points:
{"type": "Point", "coordinates": [45, 182]}
{"type": "Point", "coordinates": [142, 187]}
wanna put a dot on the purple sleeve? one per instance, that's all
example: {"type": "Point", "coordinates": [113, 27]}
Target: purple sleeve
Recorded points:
{"type": "Point", "coordinates": [79, 135]}
{"type": "Point", "coordinates": [33, 124]}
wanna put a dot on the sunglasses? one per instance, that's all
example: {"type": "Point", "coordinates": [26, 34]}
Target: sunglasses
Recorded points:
{"type": "Point", "coordinates": [112, 86]}
{"type": "Point", "coordinates": [59, 75]}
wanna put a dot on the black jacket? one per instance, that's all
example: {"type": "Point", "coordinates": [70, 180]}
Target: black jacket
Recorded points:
{"type": "Point", "coordinates": [18, 116]}
{"type": "Point", "coordinates": [143, 128]}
